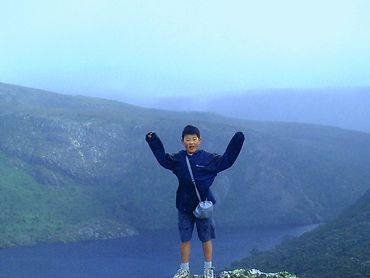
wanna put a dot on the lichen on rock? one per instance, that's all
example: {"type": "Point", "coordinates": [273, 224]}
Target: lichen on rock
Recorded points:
{"type": "Point", "coordinates": [251, 273]}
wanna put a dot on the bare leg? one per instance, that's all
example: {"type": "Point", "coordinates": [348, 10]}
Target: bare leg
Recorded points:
{"type": "Point", "coordinates": [207, 250]}
{"type": "Point", "coordinates": [185, 251]}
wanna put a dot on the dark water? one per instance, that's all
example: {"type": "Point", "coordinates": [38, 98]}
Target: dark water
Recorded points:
{"type": "Point", "coordinates": [155, 254]}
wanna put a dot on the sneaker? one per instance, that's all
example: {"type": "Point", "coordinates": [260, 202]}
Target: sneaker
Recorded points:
{"type": "Point", "coordinates": [209, 272]}
{"type": "Point", "coordinates": [182, 274]}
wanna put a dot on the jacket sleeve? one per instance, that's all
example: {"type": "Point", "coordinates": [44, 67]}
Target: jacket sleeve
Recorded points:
{"type": "Point", "coordinates": [165, 160]}
{"type": "Point", "coordinates": [225, 161]}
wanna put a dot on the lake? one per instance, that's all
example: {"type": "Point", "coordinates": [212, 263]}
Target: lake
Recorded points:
{"type": "Point", "coordinates": [152, 254]}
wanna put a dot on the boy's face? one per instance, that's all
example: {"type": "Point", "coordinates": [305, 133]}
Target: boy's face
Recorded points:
{"type": "Point", "coordinates": [191, 143]}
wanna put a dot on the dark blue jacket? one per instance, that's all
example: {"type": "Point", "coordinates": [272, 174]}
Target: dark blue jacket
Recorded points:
{"type": "Point", "coordinates": [205, 167]}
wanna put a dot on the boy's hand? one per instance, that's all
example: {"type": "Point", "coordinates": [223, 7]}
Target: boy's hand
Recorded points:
{"type": "Point", "coordinates": [239, 134]}
{"type": "Point", "coordinates": [149, 136]}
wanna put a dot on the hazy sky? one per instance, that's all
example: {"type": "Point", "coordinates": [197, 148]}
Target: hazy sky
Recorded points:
{"type": "Point", "coordinates": [183, 47]}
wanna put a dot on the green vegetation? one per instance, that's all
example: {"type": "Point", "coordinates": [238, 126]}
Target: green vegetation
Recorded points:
{"type": "Point", "coordinates": [337, 249]}
{"type": "Point", "coordinates": [33, 212]}
{"type": "Point", "coordinates": [76, 168]}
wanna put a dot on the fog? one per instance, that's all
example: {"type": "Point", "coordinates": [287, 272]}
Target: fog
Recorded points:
{"type": "Point", "coordinates": [130, 49]}
{"type": "Point", "coordinates": [347, 108]}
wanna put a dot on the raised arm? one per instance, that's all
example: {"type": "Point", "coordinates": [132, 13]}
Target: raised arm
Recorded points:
{"type": "Point", "coordinates": [232, 151]}
{"type": "Point", "coordinates": [155, 144]}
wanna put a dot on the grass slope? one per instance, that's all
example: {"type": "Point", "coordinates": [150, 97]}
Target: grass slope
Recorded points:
{"type": "Point", "coordinates": [33, 212]}
{"type": "Point", "coordinates": [340, 248]}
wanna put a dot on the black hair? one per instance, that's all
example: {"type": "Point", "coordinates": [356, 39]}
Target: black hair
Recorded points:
{"type": "Point", "coordinates": [189, 129]}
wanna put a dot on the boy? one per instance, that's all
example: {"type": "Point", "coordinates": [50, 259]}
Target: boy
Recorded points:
{"type": "Point", "coordinates": [205, 167]}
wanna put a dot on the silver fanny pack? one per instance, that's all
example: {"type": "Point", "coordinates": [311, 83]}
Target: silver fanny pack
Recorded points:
{"type": "Point", "coordinates": [204, 209]}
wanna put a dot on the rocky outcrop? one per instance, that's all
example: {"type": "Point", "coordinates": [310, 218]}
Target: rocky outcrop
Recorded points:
{"type": "Point", "coordinates": [99, 229]}
{"type": "Point", "coordinates": [251, 273]}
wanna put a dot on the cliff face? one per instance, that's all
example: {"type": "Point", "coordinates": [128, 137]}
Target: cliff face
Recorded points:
{"type": "Point", "coordinates": [70, 163]}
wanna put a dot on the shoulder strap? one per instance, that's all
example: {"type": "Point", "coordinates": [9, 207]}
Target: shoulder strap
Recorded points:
{"type": "Point", "coordinates": [192, 177]}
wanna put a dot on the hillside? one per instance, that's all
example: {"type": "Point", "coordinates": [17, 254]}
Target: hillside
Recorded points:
{"type": "Point", "coordinates": [78, 168]}
{"type": "Point", "coordinates": [38, 204]}
{"type": "Point", "coordinates": [340, 248]}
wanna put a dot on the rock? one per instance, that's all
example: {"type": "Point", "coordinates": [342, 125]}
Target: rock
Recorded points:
{"type": "Point", "coordinates": [251, 273]}
{"type": "Point", "coordinates": [99, 229]}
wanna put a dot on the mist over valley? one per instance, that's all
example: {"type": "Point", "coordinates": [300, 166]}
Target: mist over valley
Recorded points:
{"type": "Point", "coordinates": [347, 108]}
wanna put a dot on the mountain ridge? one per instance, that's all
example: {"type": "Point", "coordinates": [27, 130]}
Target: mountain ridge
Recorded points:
{"type": "Point", "coordinates": [96, 148]}
{"type": "Point", "coordinates": [347, 108]}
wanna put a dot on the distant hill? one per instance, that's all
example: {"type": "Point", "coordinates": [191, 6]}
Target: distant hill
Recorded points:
{"type": "Point", "coordinates": [340, 248]}
{"type": "Point", "coordinates": [347, 108]}
{"type": "Point", "coordinates": [76, 168]}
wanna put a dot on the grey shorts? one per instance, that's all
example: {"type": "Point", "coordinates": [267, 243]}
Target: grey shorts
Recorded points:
{"type": "Point", "coordinates": [205, 227]}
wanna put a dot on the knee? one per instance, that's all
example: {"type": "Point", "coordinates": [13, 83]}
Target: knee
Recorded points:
{"type": "Point", "coordinates": [185, 243]}
{"type": "Point", "coordinates": [207, 243]}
